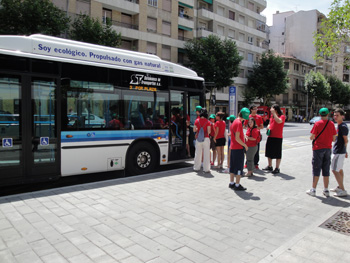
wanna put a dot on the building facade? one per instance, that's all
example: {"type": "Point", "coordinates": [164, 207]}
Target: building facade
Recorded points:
{"type": "Point", "coordinates": [161, 27]}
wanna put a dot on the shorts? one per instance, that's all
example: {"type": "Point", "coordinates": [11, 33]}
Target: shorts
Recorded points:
{"type": "Point", "coordinates": [321, 161]}
{"type": "Point", "coordinates": [212, 144]}
{"type": "Point", "coordinates": [338, 162]}
{"type": "Point", "coordinates": [220, 142]}
{"type": "Point", "coordinates": [237, 161]}
{"type": "Point", "coordinates": [273, 148]}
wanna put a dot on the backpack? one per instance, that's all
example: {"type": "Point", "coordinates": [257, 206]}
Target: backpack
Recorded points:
{"type": "Point", "coordinates": [200, 134]}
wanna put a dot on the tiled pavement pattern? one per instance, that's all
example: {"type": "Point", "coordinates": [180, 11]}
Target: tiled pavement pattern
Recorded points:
{"type": "Point", "coordinates": [178, 216]}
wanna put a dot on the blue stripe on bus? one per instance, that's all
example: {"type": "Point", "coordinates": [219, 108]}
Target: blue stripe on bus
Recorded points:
{"type": "Point", "coordinates": [88, 136]}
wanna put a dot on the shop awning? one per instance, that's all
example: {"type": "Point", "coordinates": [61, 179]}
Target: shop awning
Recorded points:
{"type": "Point", "coordinates": [185, 28]}
{"type": "Point", "coordinates": [185, 5]}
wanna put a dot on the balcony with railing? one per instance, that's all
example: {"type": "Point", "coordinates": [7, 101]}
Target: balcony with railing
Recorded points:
{"type": "Point", "coordinates": [125, 25]}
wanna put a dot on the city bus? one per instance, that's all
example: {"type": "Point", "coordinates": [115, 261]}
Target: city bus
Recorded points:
{"type": "Point", "coordinates": [72, 108]}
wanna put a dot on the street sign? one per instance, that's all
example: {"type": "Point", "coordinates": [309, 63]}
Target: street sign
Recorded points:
{"type": "Point", "coordinates": [232, 100]}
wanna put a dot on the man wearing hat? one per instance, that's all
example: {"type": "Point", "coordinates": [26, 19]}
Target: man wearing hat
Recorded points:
{"type": "Point", "coordinates": [237, 150]}
{"type": "Point", "coordinates": [198, 111]}
{"type": "Point", "coordinates": [322, 135]}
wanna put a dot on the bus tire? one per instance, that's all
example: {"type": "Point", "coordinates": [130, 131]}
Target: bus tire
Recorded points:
{"type": "Point", "coordinates": [142, 159]}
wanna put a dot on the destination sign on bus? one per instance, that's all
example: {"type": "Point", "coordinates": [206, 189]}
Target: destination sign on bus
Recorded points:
{"type": "Point", "coordinates": [145, 82]}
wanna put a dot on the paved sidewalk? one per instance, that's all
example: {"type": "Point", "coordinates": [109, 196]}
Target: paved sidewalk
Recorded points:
{"type": "Point", "coordinates": [178, 216]}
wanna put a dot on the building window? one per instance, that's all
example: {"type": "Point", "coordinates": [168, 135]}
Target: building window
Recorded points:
{"type": "Point", "coordinates": [296, 67]}
{"type": "Point", "coordinates": [241, 19]}
{"type": "Point", "coordinates": [286, 65]}
{"type": "Point", "coordinates": [250, 57]}
{"type": "Point", "coordinates": [251, 6]}
{"type": "Point", "coordinates": [250, 40]}
{"type": "Point", "coordinates": [251, 23]}
{"type": "Point", "coordinates": [166, 28]}
{"type": "Point", "coordinates": [231, 15]}
{"type": "Point", "coordinates": [241, 73]}
{"type": "Point", "coordinates": [241, 2]}
{"type": "Point", "coordinates": [220, 30]}
{"type": "Point", "coordinates": [82, 6]}
{"type": "Point", "coordinates": [285, 98]}
{"type": "Point", "coordinates": [151, 24]}
{"type": "Point", "coordinates": [221, 11]}
{"type": "Point", "coordinates": [126, 44]}
{"type": "Point", "coordinates": [231, 33]}
{"type": "Point", "coordinates": [241, 37]}
{"type": "Point", "coordinates": [167, 5]}
{"type": "Point", "coordinates": [151, 48]}
{"type": "Point", "coordinates": [241, 53]}
{"type": "Point", "coordinates": [153, 3]}
{"type": "Point", "coordinates": [106, 14]}
{"type": "Point", "coordinates": [126, 20]}
{"type": "Point", "coordinates": [166, 52]}
{"type": "Point", "coordinates": [202, 25]}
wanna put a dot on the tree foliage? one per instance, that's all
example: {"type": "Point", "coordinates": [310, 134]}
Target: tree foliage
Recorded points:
{"type": "Point", "coordinates": [317, 88]}
{"type": "Point", "coordinates": [26, 17]}
{"type": "Point", "coordinates": [334, 30]}
{"type": "Point", "coordinates": [339, 92]}
{"type": "Point", "coordinates": [268, 78]}
{"type": "Point", "coordinates": [215, 60]}
{"type": "Point", "coordinates": [87, 29]}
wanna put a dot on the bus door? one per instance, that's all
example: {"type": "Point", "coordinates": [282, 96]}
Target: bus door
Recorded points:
{"type": "Point", "coordinates": [177, 125]}
{"type": "Point", "coordinates": [194, 99]}
{"type": "Point", "coordinates": [28, 129]}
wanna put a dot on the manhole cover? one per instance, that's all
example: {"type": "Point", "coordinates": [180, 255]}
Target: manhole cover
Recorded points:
{"type": "Point", "coordinates": [340, 222]}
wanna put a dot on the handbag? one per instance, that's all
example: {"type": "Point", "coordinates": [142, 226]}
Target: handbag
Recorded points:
{"type": "Point", "coordinates": [313, 141]}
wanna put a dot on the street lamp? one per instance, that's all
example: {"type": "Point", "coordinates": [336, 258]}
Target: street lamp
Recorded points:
{"type": "Point", "coordinates": [307, 94]}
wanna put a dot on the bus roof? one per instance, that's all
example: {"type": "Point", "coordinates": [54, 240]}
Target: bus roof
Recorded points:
{"type": "Point", "coordinates": [60, 49]}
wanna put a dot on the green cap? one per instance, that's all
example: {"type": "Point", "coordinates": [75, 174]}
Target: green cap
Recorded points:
{"type": "Point", "coordinates": [324, 112]}
{"type": "Point", "coordinates": [198, 108]}
{"type": "Point", "coordinates": [212, 116]}
{"type": "Point", "coordinates": [231, 118]}
{"type": "Point", "coordinates": [245, 113]}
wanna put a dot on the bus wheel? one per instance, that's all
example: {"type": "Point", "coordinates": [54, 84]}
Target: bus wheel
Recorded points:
{"type": "Point", "coordinates": [141, 159]}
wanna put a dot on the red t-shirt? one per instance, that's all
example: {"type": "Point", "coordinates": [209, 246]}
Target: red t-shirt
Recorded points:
{"type": "Point", "coordinates": [212, 129]}
{"type": "Point", "coordinates": [203, 122]}
{"type": "Point", "coordinates": [222, 126]}
{"type": "Point", "coordinates": [258, 120]}
{"type": "Point", "coordinates": [276, 129]}
{"type": "Point", "coordinates": [236, 126]}
{"type": "Point", "coordinates": [324, 141]}
{"type": "Point", "coordinates": [252, 133]}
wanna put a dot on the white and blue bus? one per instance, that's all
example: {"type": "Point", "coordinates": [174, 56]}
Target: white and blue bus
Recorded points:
{"type": "Point", "coordinates": [70, 108]}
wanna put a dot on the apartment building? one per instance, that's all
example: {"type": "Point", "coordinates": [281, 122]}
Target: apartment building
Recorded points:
{"type": "Point", "coordinates": [292, 36]}
{"type": "Point", "coordinates": [161, 27]}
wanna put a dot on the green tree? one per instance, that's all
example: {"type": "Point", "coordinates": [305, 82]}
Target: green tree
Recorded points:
{"type": "Point", "coordinates": [317, 88]}
{"type": "Point", "coordinates": [339, 92]}
{"type": "Point", "coordinates": [216, 60]}
{"type": "Point", "coordinates": [334, 30]}
{"type": "Point", "coordinates": [26, 17]}
{"type": "Point", "coordinates": [268, 78]}
{"type": "Point", "coordinates": [91, 30]}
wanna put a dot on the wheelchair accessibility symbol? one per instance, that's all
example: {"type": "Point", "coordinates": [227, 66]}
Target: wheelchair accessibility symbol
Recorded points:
{"type": "Point", "coordinates": [44, 141]}
{"type": "Point", "coordinates": [7, 142]}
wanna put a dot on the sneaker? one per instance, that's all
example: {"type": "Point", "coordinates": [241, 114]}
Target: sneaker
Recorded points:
{"type": "Point", "coordinates": [239, 188]}
{"type": "Point", "coordinates": [268, 168]}
{"type": "Point", "coordinates": [211, 163]}
{"type": "Point", "coordinates": [276, 171]}
{"type": "Point", "coordinates": [245, 166]}
{"type": "Point", "coordinates": [232, 186]}
{"type": "Point", "coordinates": [326, 193]}
{"type": "Point", "coordinates": [257, 167]}
{"type": "Point", "coordinates": [311, 192]}
{"type": "Point", "coordinates": [341, 193]}
{"type": "Point", "coordinates": [335, 189]}
{"type": "Point", "coordinates": [227, 171]}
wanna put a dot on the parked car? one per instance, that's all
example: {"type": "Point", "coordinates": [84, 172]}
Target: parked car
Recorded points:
{"type": "Point", "coordinates": [91, 121]}
{"type": "Point", "coordinates": [314, 120]}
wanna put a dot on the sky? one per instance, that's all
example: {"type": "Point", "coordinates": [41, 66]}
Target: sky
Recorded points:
{"type": "Point", "coordinates": [294, 5]}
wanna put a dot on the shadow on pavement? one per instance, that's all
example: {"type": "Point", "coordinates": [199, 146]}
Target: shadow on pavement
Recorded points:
{"type": "Point", "coordinates": [335, 201]}
{"type": "Point", "coordinates": [284, 176]}
{"type": "Point", "coordinates": [204, 174]}
{"type": "Point", "coordinates": [246, 195]}
{"type": "Point", "coordinates": [256, 178]}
